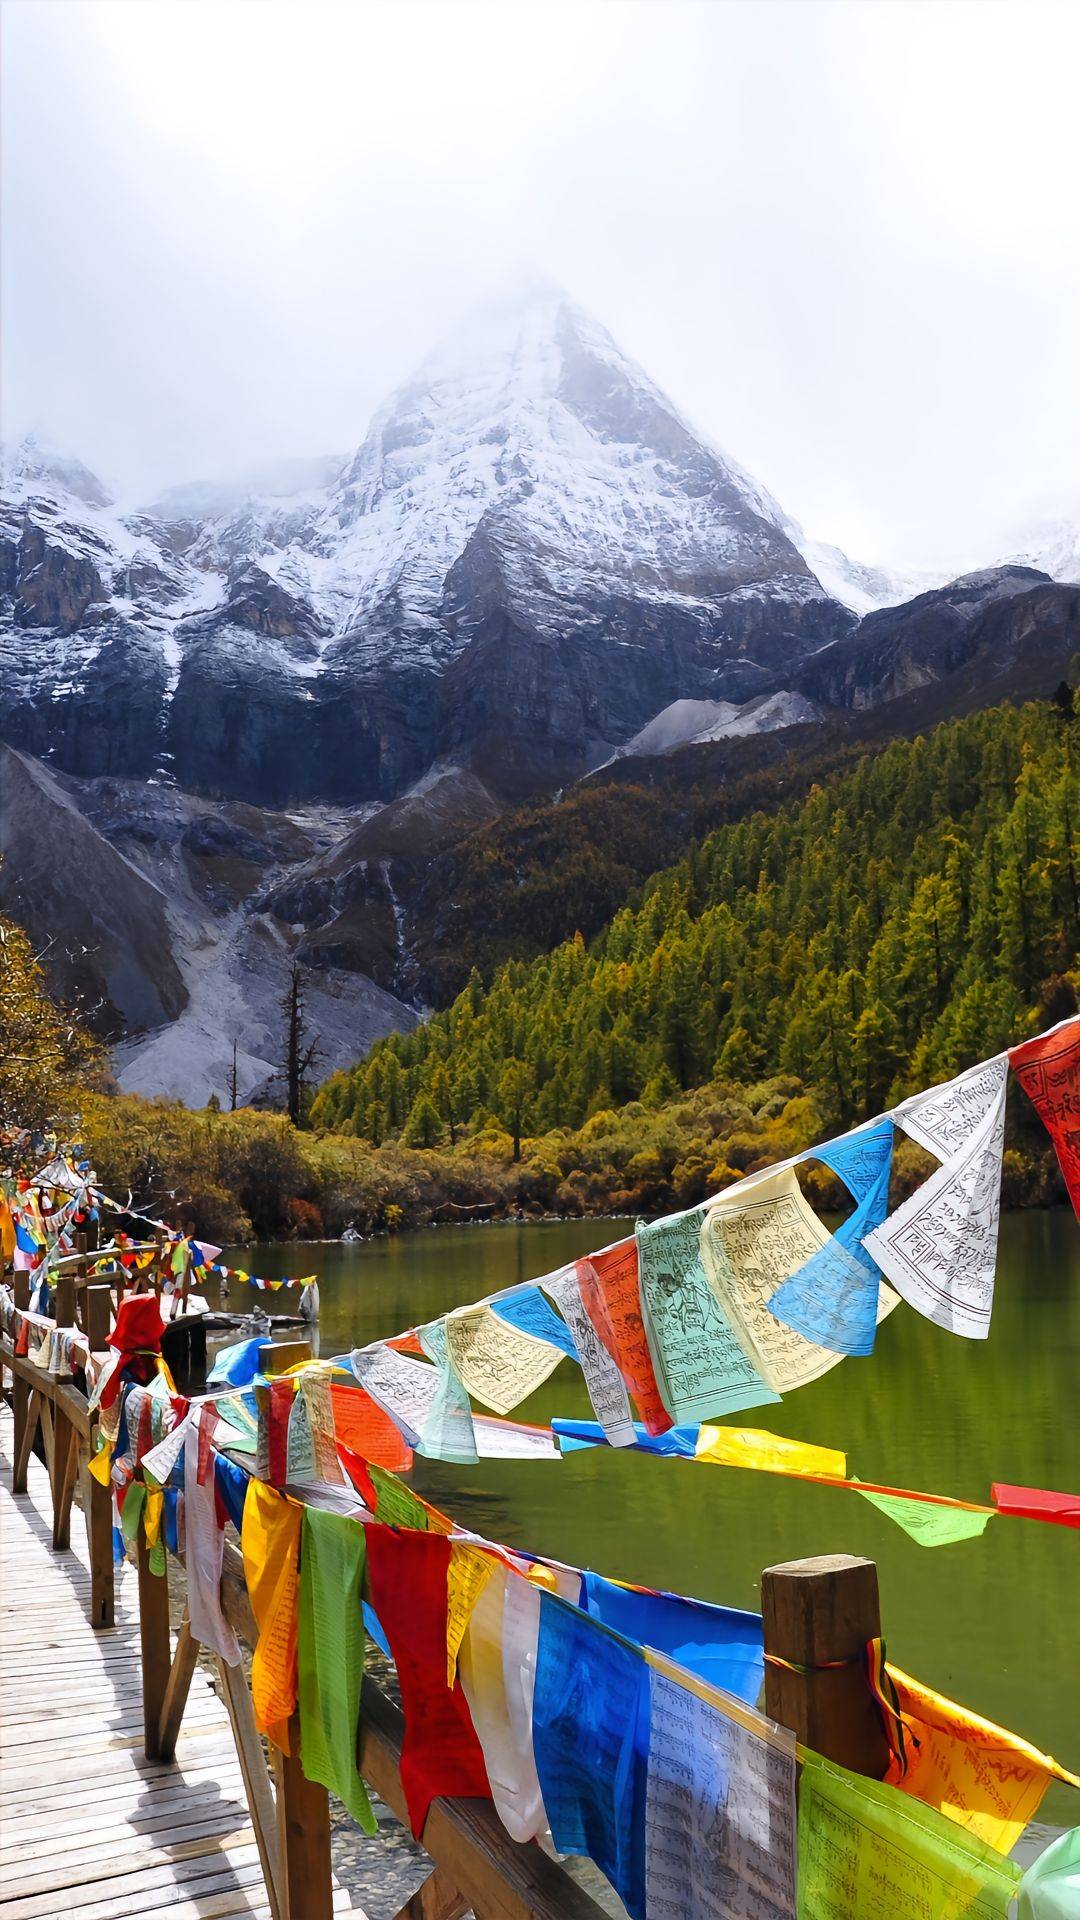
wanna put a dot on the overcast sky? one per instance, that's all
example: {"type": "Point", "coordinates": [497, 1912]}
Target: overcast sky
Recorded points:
{"type": "Point", "coordinates": [844, 237]}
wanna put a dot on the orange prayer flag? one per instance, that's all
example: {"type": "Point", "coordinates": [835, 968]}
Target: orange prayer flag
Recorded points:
{"type": "Point", "coordinates": [364, 1428]}
{"type": "Point", "coordinates": [1048, 1069]}
{"type": "Point", "coordinates": [986, 1779]}
{"type": "Point", "coordinates": [407, 1343]}
{"type": "Point", "coordinates": [270, 1537]}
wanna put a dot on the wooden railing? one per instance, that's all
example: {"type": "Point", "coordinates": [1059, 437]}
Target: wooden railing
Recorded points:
{"type": "Point", "coordinates": [818, 1616]}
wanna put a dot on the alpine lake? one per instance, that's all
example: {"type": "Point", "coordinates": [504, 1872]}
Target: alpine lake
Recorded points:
{"type": "Point", "coordinates": [992, 1622]}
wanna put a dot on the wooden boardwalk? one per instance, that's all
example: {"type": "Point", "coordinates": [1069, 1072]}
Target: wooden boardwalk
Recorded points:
{"type": "Point", "coordinates": [89, 1827]}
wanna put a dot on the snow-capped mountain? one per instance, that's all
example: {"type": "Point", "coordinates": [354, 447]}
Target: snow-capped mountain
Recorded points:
{"type": "Point", "coordinates": [1051, 545]}
{"type": "Point", "coordinates": [265, 705]}
{"type": "Point", "coordinates": [863, 587]}
{"type": "Point", "coordinates": [529, 554]}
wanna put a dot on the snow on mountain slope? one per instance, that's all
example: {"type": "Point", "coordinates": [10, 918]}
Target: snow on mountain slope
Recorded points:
{"type": "Point", "coordinates": [529, 548]}
{"type": "Point", "coordinates": [690, 723]}
{"type": "Point", "coordinates": [1053, 546]}
{"type": "Point", "coordinates": [861, 587]}
{"type": "Point", "coordinates": [95, 602]}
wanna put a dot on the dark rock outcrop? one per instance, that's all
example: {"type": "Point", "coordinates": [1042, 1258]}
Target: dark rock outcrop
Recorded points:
{"type": "Point", "coordinates": [100, 924]}
{"type": "Point", "coordinates": [994, 616]}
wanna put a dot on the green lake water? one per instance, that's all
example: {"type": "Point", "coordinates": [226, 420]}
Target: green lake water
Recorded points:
{"type": "Point", "coordinates": [993, 1622]}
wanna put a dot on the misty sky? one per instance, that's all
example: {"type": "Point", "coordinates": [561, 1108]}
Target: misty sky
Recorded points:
{"type": "Point", "coordinates": [842, 236]}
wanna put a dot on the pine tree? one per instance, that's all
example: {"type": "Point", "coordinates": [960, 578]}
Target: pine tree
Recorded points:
{"type": "Point", "coordinates": [423, 1128]}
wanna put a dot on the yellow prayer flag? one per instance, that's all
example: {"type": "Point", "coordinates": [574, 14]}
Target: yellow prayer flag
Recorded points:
{"type": "Point", "coordinates": [152, 1514]}
{"type": "Point", "coordinates": [986, 1779]}
{"type": "Point", "coordinates": [467, 1574]}
{"type": "Point", "coordinates": [770, 1452]}
{"type": "Point", "coordinates": [270, 1537]}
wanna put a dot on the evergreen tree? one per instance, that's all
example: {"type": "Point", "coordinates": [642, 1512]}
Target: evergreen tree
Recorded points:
{"type": "Point", "coordinates": [898, 919]}
{"type": "Point", "coordinates": [423, 1128]}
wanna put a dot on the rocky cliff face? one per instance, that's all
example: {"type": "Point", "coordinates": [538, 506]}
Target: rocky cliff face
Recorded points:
{"type": "Point", "coordinates": [1011, 627]}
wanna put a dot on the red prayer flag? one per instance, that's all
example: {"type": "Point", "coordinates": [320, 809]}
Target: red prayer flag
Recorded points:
{"type": "Point", "coordinates": [1037, 1503]}
{"type": "Point", "coordinates": [357, 1470]}
{"type": "Point", "coordinates": [1048, 1069]}
{"type": "Point", "coordinates": [440, 1753]}
{"type": "Point", "coordinates": [279, 1407]}
{"type": "Point", "coordinates": [612, 1300]}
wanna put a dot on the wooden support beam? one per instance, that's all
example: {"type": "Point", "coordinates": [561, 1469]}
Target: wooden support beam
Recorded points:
{"type": "Point", "coordinates": [437, 1899]}
{"type": "Point", "coordinates": [156, 1650]}
{"type": "Point", "coordinates": [45, 1418]}
{"type": "Point", "coordinates": [65, 1463]}
{"type": "Point", "coordinates": [260, 1796]}
{"type": "Point", "coordinates": [819, 1615]}
{"type": "Point", "coordinates": [25, 1441]}
{"type": "Point", "coordinates": [303, 1821]}
{"type": "Point", "coordinates": [181, 1671]}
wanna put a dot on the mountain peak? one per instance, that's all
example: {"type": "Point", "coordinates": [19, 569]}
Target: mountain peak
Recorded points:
{"type": "Point", "coordinates": [31, 460]}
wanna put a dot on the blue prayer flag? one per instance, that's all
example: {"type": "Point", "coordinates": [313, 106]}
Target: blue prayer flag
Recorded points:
{"type": "Point", "coordinates": [722, 1645]}
{"type": "Point", "coordinates": [238, 1365]}
{"type": "Point", "coordinates": [575, 1434]}
{"type": "Point", "coordinates": [530, 1312]}
{"type": "Point", "coordinates": [231, 1483]}
{"type": "Point", "coordinates": [833, 1298]}
{"type": "Point", "coordinates": [374, 1630]}
{"type": "Point", "coordinates": [591, 1743]}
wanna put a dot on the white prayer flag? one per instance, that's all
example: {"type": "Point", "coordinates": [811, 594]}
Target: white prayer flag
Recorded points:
{"type": "Point", "coordinates": [939, 1248]}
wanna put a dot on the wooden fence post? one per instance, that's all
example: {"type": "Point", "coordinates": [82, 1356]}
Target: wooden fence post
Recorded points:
{"type": "Point", "coordinates": [20, 1391]}
{"type": "Point", "coordinates": [303, 1814]}
{"type": "Point", "coordinates": [155, 1646]}
{"type": "Point", "coordinates": [819, 1615]}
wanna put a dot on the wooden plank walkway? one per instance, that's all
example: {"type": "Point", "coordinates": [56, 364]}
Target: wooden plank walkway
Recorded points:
{"type": "Point", "coordinates": [89, 1828]}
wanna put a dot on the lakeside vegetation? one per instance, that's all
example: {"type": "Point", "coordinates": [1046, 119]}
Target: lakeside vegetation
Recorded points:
{"type": "Point", "coordinates": [242, 1176]}
{"type": "Point", "coordinates": [752, 999]}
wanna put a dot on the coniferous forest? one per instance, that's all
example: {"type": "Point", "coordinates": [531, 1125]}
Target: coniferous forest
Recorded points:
{"type": "Point", "coordinates": [900, 920]}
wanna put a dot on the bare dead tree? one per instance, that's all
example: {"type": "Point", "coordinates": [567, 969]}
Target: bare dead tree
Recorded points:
{"type": "Point", "coordinates": [301, 1048]}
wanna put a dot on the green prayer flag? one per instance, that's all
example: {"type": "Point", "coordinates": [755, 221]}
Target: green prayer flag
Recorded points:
{"type": "Point", "coordinates": [330, 1656]}
{"type": "Point", "coordinates": [929, 1524]}
{"type": "Point", "coordinates": [869, 1852]}
{"type": "Point", "coordinates": [396, 1505]}
{"type": "Point", "coordinates": [131, 1511]}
